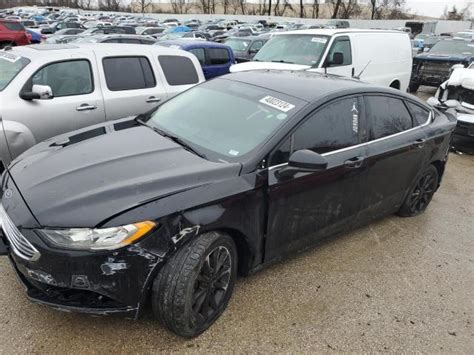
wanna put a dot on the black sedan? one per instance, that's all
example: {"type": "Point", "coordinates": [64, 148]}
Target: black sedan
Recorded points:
{"type": "Point", "coordinates": [221, 180]}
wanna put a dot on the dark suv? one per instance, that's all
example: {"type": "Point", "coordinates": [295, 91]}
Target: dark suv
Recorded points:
{"type": "Point", "coordinates": [12, 33]}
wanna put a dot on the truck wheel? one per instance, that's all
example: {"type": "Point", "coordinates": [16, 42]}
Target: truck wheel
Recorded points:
{"type": "Point", "coordinates": [420, 195]}
{"type": "Point", "coordinates": [195, 285]}
{"type": "Point", "coordinates": [413, 87]}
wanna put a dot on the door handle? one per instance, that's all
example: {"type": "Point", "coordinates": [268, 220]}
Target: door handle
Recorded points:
{"type": "Point", "coordinates": [354, 163]}
{"type": "Point", "coordinates": [419, 143]}
{"type": "Point", "coordinates": [152, 99]}
{"type": "Point", "coordinates": [86, 107]}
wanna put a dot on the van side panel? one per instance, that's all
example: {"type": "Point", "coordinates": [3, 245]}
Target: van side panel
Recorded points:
{"type": "Point", "coordinates": [388, 54]}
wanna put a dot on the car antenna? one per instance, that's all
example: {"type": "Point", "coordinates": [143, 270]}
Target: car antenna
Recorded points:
{"type": "Point", "coordinates": [362, 71]}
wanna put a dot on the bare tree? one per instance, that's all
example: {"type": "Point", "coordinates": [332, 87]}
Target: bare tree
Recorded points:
{"type": "Point", "coordinates": [144, 5]}
{"type": "Point", "coordinates": [315, 9]}
{"type": "Point", "coordinates": [110, 5]}
{"type": "Point", "coordinates": [302, 13]}
{"type": "Point", "coordinates": [336, 4]}
{"type": "Point", "coordinates": [349, 9]}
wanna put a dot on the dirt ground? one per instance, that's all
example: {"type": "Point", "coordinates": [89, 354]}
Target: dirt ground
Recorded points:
{"type": "Point", "coordinates": [399, 284]}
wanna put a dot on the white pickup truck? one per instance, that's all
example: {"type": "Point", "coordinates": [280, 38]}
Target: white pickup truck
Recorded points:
{"type": "Point", "coordinates": [52, 89]}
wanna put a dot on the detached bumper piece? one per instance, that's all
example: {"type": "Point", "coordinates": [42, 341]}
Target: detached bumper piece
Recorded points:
{"type": "Point", "coordinates": [465, 130]}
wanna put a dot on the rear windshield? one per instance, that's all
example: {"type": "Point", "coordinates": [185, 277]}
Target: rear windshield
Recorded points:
{"type": "Point", "coordinates": [10, 66]}
{"type": "Point", "coordinates": [13, 26]}
{"type": "Point", "coordinates": [452, 47]}
{"type": "Point", "coordinates": [293, 49]}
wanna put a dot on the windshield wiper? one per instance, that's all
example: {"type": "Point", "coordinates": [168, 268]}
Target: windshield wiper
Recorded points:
{"type": "Point", "coordinates": [175, 139]}
{"type": "Point", "coordinates": [282, 61]}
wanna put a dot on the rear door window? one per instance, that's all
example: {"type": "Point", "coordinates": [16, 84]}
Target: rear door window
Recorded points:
{"type": "Point", "coordinates": [200, 54]}
{"type": "Point", "coordinates": [386, 116]}
{"type": "Point", "coordinates": [218, 56]}
{"type": "Point", "coordinates": [178, 70]}
{"type": "Point", "coordinates": [128, 73]}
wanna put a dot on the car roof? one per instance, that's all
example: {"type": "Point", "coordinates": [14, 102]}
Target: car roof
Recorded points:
{"type": "Point", "coordinates": [334, 31]}
{"type": "Point", "coordinates": [187, 44]}
{"type": "Point", "coordinates": [308, 86]}
{"type": "Point", "coordinates": [62, 51]}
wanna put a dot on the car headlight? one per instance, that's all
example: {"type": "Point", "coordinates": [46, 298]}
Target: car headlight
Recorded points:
{"type": "Point", "coordinates": [98, 239]}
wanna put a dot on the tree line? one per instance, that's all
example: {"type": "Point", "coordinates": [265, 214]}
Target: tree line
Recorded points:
{"type": "Point", "coordinates": [336, 9]}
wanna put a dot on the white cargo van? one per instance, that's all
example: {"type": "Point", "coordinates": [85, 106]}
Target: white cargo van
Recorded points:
{"type": "Point", "coordinates": [385, 55]}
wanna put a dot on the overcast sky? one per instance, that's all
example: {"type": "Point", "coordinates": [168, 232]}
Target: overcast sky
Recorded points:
{"type": "Point", "coordinates": [435, 8]}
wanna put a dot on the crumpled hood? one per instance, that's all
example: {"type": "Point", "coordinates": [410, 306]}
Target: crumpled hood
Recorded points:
{"type": "Point", "coordinates": [85, 177]}
{"type": "Point", "coordinates": [266, 65]}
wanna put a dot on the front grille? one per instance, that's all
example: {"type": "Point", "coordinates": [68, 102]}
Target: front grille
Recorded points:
{"type": "Point", "coordinates": [20, 245]}
{"type": "Point", "coordinates": [436, 69]}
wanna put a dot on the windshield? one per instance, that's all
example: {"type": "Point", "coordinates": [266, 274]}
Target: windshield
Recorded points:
{"type": "Point", "coordinates": [449, 47]}
{"type": "Point", "coordinates": [294, 49]}
{"type": "Point", "coordinates": [237, 44]}
{"type": "Point", "coordinates": [10, 66]}
{"type": "Point", "coordinates": [224, 118]}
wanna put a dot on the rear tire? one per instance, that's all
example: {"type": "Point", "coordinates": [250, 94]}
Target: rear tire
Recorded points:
{"type": "Point", "coordinates": [421, 193]}
{"type": "Point", "coordinates": [195, 285]}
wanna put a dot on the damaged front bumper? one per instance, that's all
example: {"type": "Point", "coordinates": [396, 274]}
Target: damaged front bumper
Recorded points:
{"type": "Point", "coordinates": [106, 283]}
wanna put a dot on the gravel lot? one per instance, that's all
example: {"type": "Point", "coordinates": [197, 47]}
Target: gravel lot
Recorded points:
{"type": "Point", "coordinates": [400, 284]}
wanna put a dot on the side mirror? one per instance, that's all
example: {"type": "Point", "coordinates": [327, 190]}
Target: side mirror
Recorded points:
{"type": "Point", "coordinates": [337, 59]}
{"type": "Point", "coordinates": [433, 102]}
{"type": "Point", "coordinates": [307, 160]}
{"type": "Point", "coordinates": [38, 92]}
{"type": "Point", "coordinates": [302, 161]}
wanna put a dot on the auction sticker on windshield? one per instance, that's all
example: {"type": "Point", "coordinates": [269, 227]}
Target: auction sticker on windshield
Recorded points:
{"type": "Point", "coordinates": [12, 58]}
{"type": "Point", "coordinates": [319, 40]}
{"type": "Point", "coordinates": [277, 103]}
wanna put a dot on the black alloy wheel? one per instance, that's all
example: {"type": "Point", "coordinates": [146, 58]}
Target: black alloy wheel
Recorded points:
{"type": "Point", "coordinates": [211, 284]}
{"type": "Point", "coordinates": [194, 287]}
{"type": "Point", "coordinates": [421, 193]}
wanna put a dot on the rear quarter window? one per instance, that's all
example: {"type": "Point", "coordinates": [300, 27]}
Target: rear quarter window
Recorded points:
{"type": "Point", "coordinates": [218, 56]}
{"type": "Point", "coordinates": [420, 114]}
{"type": "Point", "coordinates": [178, 70]}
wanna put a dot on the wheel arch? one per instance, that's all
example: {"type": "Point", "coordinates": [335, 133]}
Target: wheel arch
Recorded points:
{"type": "Point", "coordinates": [244, 252]}
{"type": "Point", "coordinates": [395, 84]}
{"type": "Point", "coordinates": [440, 166]}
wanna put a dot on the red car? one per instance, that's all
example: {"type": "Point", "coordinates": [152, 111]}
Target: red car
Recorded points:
{"type": "Point", "coordinates": [12, 33]}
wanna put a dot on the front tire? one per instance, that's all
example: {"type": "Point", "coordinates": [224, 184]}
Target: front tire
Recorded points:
{"type": "Point", "coordinates": [195, 285]}
{"type": "Point", "coordinates": [421, 193]}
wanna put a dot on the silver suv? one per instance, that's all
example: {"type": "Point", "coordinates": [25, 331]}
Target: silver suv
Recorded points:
{"type": "Point", "coordinates": [52, 89]}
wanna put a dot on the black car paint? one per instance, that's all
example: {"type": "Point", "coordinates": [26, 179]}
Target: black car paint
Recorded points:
{"type": "Point", "coordinates": [247, 200]}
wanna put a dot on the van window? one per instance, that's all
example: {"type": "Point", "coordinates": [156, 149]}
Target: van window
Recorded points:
{"type": "Point", "coordinates": [218, 56]}
{"type": "Point", "coordinates": [128, 73]}
{"type": "Point", "coordinates": [341, 45]}
{"type": "Point", "coordinates": [66, 78]}
{"type": "Point", "coordinates": [178, 70]}
{"type": "Point", "coordinates": [386, 116]}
